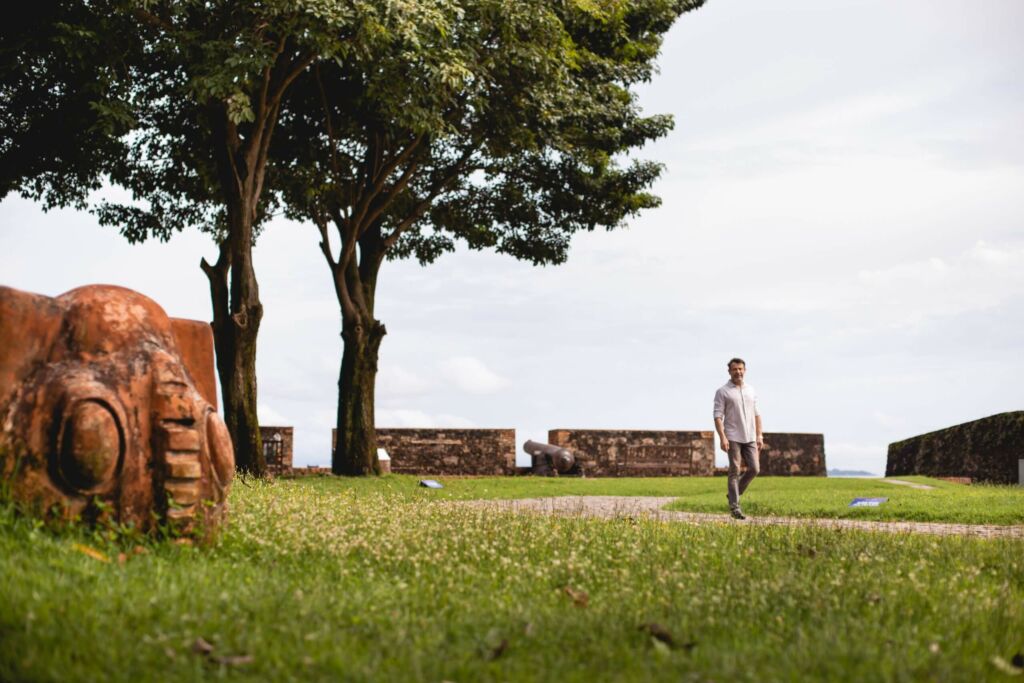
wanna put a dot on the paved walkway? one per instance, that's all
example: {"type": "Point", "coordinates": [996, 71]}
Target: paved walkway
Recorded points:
{"type": "Point", "coordinates": [900, 482]}
{"type": "Point", "coordinates": [610, 507]}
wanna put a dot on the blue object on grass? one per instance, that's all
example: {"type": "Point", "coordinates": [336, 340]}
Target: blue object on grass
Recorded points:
{"type": "Point", "coordinates": [431, 484]}
{"type": "Point", "coordinates": [867, 502]}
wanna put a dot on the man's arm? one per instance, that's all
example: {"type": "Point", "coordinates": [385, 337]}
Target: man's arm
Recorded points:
{"type": "Point", "coordinates": [719, 413]}
{"type": "Point", "coordinates": [722, 440]}
{"type": "Point", "coordinates": [760, 432]}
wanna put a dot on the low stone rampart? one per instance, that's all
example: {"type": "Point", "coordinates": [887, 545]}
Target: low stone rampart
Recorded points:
{"type": "Point", "coordinates": [449, 451]}
{"type": "Point", "coordinates": [638, 453]}
{"type": "Point", "coordinates": [990, 449]}
{"type": "Point", "coordinates": [793, 455]}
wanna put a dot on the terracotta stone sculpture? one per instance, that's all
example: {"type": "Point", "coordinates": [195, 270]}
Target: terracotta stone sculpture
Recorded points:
{"type": "Point", "coordinates": [108, 410]}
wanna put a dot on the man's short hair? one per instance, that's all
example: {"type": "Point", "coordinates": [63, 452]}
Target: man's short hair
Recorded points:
{"type": "Point", "coordinates": [737, 360]}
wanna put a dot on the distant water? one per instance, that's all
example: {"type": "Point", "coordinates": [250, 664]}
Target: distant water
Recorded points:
{"type": "Point", "coordinates": [851, 473]}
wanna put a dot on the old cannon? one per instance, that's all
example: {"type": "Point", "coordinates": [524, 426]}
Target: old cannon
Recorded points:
{"type": "Point", "coordinates": [108, 411]}
{"type": "Point", "coordinates": [548, 460]}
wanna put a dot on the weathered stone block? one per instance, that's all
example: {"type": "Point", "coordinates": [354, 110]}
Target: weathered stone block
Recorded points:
{"type": "Point", "coordinates": [793, 455]}
{"type": "Point", "coordinates": [449, 451]}
{"type": "Point", "coordinates": [638, 453]}
{"type": "Point", "coordinates": [989, 449]}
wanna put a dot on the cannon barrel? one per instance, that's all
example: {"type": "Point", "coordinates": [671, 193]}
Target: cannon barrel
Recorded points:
{"type": "Point", "coordinates": [554, 457]}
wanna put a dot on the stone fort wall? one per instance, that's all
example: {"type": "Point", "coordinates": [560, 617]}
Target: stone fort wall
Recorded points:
{"type": "Point", "coordinates": [990, 449]}
{"type": "Point", "coordinates": [598, 452]}
{"type": "Point", "coordinates": [793, 455]}
{"type": "Point", "coordinates": [636, 453]}
{"type": "Point", "coordinates": [448, 451]}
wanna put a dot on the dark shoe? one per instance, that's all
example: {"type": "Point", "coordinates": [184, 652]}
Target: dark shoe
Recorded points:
{"type": "Point", "coordinates": [737, 514]}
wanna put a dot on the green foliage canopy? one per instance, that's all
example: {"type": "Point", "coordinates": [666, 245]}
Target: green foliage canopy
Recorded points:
{"type": "Point", "coordinates": [505, 125]}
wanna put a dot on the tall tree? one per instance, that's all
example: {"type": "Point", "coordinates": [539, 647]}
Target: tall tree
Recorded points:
{"type": "Point", "coordinates": [201, 87]}
{"type": "Point", "coordinates": [505, 125]}
{"type": "Point", "coordinates": [64, 91]}
{"type": "Point", "coordinates": [207, 95]}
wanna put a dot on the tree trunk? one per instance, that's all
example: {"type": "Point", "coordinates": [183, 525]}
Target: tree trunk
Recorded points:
{"type": "Point", "coordinates": [355, 450]}
{"type": "Point", "coordinates": [237, 313]}
{"type": "Point", "coordinates": [241, 161]}
{"type": "Point", "coordinates": [240, 387]}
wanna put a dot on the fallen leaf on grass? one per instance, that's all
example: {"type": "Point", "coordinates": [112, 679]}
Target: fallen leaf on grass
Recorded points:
{"type": "Point", "coordinates": [497, 651]}
{"type": "Point", "coordinates": [807, 550]}
{"type": "Point", "coordinates": [1008, 668]}
{"type": "Point", "coordinates": [579, 597]}
{"type": "Point", "coordinates": [91, 552]}
{"type": "Point", "coordinates": [121, 558]}
{"type": "Point", "coordinates": [659, 633]}
{"type": "Point", "coordinates": [662, 639]}
{"type": "Point", "coordinates": [660, 647]}
{"type": "Point", "coordinates": [494, 645]}
{"type": "Point", "coordinates": [201, 646]}
{"type": "Point", "coordinates": [233, 660]}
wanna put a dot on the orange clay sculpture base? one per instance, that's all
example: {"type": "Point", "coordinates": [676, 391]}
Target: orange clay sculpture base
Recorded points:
{"type": "Point", "coordinates": [108, 411]}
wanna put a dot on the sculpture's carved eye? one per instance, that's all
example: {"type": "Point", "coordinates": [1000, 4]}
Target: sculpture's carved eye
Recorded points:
{"type": "Point", "coordinates": [90, 445]}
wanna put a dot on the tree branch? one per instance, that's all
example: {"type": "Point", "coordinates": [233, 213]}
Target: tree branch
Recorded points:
{"type": "Point", "coordinates": [458, 168]}
{"type": "Point", "coordinates": [268, 73]}
{"type": "Point", "coordinates": [379, 178]}
{"type": "Point", "coordinates": [399, 185]}
{"type": "Point", "coordinates": [327, 120]}
{"type": "Point", "coordinates": [347, 256]}
{"type": "Point", "coordinates": [348, 307]}
{"type": "Point", "coordinates": [222, 264]}
{"type": "Point", "coordinates": [231, 139]}
{"type": "Point", "coordinates": [294, 69]}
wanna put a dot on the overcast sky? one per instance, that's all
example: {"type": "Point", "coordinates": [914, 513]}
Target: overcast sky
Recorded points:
{"type": "Point", "coordinates": [843, 207]}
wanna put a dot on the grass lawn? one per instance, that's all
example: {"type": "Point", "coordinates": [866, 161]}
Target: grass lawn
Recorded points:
{"type": "Point", "coordinates": [777, 496]}
{"type": "Point", "coordinates": [377, 580]}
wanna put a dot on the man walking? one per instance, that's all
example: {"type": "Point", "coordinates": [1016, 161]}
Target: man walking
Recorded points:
{"type": "Point", "coordinates": [738, 423]}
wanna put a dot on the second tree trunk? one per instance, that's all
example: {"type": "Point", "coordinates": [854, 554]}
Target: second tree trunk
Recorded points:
{"type": "Point", "coordinates": [355, 451]}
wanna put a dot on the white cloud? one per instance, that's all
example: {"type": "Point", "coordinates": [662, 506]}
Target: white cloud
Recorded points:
{"type": "Point", "coordinates": [983, 277]}
{"type": "Point", "coordinates": [471, 375]}
{"type": "Point", "coordinates": [831, 124]}
{"type": "Point", "coordinates": [413, 418]}
{"type": "Point", "coordinates": [269, 416]}
{"type": "Point", "coordinates": [394, 380]}
{"type": "Point", "coordinates": [999, 256]}
{"type": "Point", "coordinates": [889, 421]}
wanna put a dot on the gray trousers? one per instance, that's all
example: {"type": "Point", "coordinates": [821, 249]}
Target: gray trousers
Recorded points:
{"type": "Point", "coordinates": [738, 484]}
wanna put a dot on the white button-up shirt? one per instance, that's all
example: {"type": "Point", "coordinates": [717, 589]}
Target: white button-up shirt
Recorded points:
{"type": "Point", "coordinates": [736, 407]}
